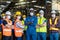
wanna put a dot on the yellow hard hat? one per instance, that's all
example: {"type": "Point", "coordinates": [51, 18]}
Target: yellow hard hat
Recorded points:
{"type": "Point", "coordinates": [2, 14]}
{"type": "Point", "coordinates": [18, 13]}
{"type": "Point", "coordinates": [14, 15]}
{"type": "Point", "coordinates": [37, 14]}
{"type": "Point", "coordinates": [24, 16]}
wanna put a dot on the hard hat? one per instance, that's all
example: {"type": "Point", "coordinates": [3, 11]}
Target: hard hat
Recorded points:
{"type": "Point", "coordinates": [31, 9]}
{"type": "Point", "coordinates": [24, 16]}
{"type": "Point", "coordinates": [37, 14]}
{"type": "Point", "coordinates": [41, 11]}
{"type": "Point", "coordinates": [8, 13]}
{"type": "Point", "coordinates": [18, 13]}
{"type": "Point", "coordinates": [2, 14]}
{"type": "Point", "coordinates": [53, 12]}
{"type": "Point", "coordinates": [14, 15]}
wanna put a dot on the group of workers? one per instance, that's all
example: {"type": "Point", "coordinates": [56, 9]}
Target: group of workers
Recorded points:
{"type": "Point", "coordinates": [35, 27]}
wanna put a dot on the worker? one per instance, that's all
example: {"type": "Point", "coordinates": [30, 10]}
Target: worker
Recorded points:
{"type": "Point", "coordinates": [3, 17]}
{"type": "Point", "coordinates": [7, 26]}
{"type": "Point", "coordinates": [24, 18]}
{"type": "Point", "coordinates": [31, 22]}
{"type": "Point", "coordinates": [54, 25]}
{"type": "Point", "coordinates": [41, 27]}
{"type": "Point", "coordinates": [25, 28]}
{"type": "Point", "coordinates": [18, 26]}
{"type": "Point", "coordinates": [38, 15]}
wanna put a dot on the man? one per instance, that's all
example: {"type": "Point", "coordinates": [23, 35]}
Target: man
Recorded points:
{"type": "Point", "coordinates": [41, 27]}
{"type": "Point", "coordinates": [38, 15]}
{"type": "Point", "coordinates": [7, 26]}
{"type": "Point", "coordinates": [25, 28]}
{"type": "Point", "coordinates": [31, 22]}
{"type": "Point", "coordinates": [54, 25]}
{"type": "Point", "coordinates": [1, 19]}
{"type": "Point", "coordinates": [24, 18]}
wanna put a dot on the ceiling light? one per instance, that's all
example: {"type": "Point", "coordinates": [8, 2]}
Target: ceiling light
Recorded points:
{"type": "Point", "coordinates": [48, 1]}
{"type": "Point", "coordinates": [33, 1]}
{"type": "Point", "coordinates": [8, 1]}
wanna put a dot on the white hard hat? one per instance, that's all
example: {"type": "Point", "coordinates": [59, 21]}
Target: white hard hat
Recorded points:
{"type": "Point", "coordinates": [41, 11]}
{"type": "Point", "coordinates": [53, 12]}
{"type": "Point", "coordinates": [8, 13]}
{"type": "Point", "coordinates": [31, 9]}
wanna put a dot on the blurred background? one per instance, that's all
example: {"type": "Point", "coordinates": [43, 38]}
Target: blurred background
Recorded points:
{"type": "Point", "coordinates": [24, 5]}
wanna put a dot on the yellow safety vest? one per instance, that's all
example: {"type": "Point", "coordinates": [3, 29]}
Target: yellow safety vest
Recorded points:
{"type": "Point", "coordinates": [41, 29]}
{"type": "Point", "coordinates": [25, 28]}
{"type": "Point", "coordinates": [50, 21]}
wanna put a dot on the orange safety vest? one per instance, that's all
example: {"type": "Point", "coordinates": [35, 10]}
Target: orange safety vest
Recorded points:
{"type": "Point", "coordinates": [18, 31]}
{"type": "Point", "coordinates": [55, 22]}
{"type": "Point", "coordinates": [6, 31]}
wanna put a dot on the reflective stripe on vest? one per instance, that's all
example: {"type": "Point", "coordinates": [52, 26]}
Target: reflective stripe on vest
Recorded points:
{"type": "Point", "coordinates": [55, 22]}
{"type": "Point", "coordinates": [7, 30]}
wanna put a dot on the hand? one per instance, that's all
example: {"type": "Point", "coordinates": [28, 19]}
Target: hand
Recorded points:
{"type": "Point", "coordinates": [40, 25]}
{"type": "Point", "coordinates": [37, 26]}
{"type": "Point", "coordinates": [52, 25]}
{"type": "Point", "coordinates": [29, 22]}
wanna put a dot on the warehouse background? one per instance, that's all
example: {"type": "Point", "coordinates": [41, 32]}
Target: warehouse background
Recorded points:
{"type": "Point", "coordinates": [25, 5]}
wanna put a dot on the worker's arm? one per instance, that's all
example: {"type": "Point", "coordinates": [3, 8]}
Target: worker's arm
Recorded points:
{"type": "Point", "coordinates": [8, 25]}
{"type": "Point", "coordinates": [44, 24]}
{"type": "Point", "coordinates": [34, 23]}
{"type": "Point", "coordinates": [27, 21]}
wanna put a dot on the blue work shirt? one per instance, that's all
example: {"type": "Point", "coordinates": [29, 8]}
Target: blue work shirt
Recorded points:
{"type": "Point", "coordinates": [32, 26]}
{"type": "Point", "coordinates": [0, 25]}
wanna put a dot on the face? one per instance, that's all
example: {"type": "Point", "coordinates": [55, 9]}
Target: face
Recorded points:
{"type": "Point", "coordinates": [31, 13]}
{"type": "Point", "coordinates": [9, 17]}
{"type": "Point", "coordinates": [24, 18]}
{"type": "Point", "coordinates": [18, 17]}
{"type": "Point", "coordinates": [53, 15]}
{"type": "Point", "coordinates": [41, 15]}
{"type": "Point", "coordinates": [3, 17]}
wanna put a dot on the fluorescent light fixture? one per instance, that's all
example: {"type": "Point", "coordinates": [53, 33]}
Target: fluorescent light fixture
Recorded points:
{"type": "Point", "coordinates": [23, 3]}
{"type": "Point", "coordinates": [21, 0]}
{"type": "Point", "coordinates": [8, 1]}
{"type": "Point", "coordinates": [43, 7]}
{"type": "Point", "coordinates": [37, 6]}
{"type": "Point", "coordinates": [20, 3]}
{"type": "Point", "coordinates": [3, 6]}
{"type": "Point", "coordinates": [48, 1]}
{"type": "Point", "coordinates": [27, 2]}
{"type": "Point", "coordinates": [33, 1]}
